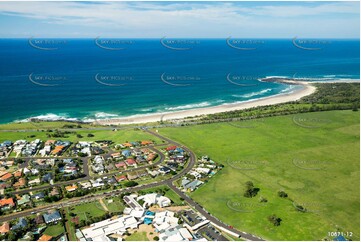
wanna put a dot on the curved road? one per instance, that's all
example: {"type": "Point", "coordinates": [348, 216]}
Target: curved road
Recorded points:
{"type": "Point", "coordinates": [201, 210]}
{"type": "Point", "coordinates": [169, 182]}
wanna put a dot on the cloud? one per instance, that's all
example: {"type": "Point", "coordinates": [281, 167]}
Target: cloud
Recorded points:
{"type": "Point", "coordinates": [179, 18]}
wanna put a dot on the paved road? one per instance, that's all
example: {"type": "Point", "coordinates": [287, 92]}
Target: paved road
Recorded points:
{"type": "Point", "coordinates": [169, 182]}
{"type": "Point", "coordinates": [192, 160]}
{"type": "Point", "coordinates": [87, 176]}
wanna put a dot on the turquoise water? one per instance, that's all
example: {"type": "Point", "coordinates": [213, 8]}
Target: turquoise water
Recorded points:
{"type": "Point", "coordinates": [79, 80]}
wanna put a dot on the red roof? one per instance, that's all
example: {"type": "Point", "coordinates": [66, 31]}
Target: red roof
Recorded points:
{"type": "Point", "coordinates": [173, 147]}
{"type": "Point", "coordinates": [9, 201]}
{"type": "Point", "coordinates": [120, 164]}
{"type": "Point", "coordinates": [146, 142]}
{"type": "Point", "coordinates": [5, 177]}
{"type": "Point", "coordinates": [18, 173]}
{"type": "Point", "coordinates": [45, 237]}
{"type": "Point", "coordinates": [130, 161]}
{"type": "Point", "coordinates": [120, 178]}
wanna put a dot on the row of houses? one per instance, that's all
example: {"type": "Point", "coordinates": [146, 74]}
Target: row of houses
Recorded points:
{"type": "Point", "coordinates": [204, 168]}
{"type": "Point", "coordinates": [20, 201]}
{"type": "Point", "coordinates": [33, 226]}
{"type": "Point", "coordinates": [5, 148]}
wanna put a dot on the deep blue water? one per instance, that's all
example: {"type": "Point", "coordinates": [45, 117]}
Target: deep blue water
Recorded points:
{"type": "Point", "coordinates": [199, 74]}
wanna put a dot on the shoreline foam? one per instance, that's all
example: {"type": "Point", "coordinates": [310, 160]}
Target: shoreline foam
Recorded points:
{"type": "Point", "coordinates": [307, 89]}
{"type": "Point", "coordinates": [292, 94]}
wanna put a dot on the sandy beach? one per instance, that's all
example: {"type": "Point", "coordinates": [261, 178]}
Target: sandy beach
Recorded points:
{"type": "Point", "coordinates": [306, 89]}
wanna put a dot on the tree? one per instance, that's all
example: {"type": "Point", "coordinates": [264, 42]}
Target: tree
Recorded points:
{"type": "Point", "coordinates": [276, 221]}
{"type": "Point", "coordinates": [263, 200]}
{"type": "Point", "coordinates": [156, 238]}
{"type": "Point", "coordinates": [131, 184]}
{"type": "Point", "coordinates": [282, 194]}
{"type": "Point", "coordinates": [90, 135]}
{"type": "Point", "coordinates": [12, 236]}
{"type": "Point", "coordinates": [251, 191]}
{"type": "Point", "coordinates": [300, 208]}
{"type": "Point", "coordinates": [249, 184]}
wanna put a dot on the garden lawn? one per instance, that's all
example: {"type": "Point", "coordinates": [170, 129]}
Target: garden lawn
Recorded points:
{"type": "Point", "coordinates": [137, 236]}
{"type": "Point", "coordinates": [54, 230]}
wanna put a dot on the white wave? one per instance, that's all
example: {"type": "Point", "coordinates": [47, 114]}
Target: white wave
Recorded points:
{"type": "Point", "coordinates": [146, 109]}
{"type": "Point", "coordinates": [88, 120]}
{"type": "Point", "coordinates": [189, 106]}
{"type": "Point", "coordinates": [252, 94]}
{"type": "Point", "coordinates": [276, 77]}
{"type": "Point", "coordinates": [289, 89]}
{"type": "Point", "coordinates": [105, 115]}
{"type": "Point", "coordinates": [47, 117]}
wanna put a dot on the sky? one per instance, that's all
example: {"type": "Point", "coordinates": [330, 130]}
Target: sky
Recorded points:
{"type": "Point", "coordinates": [180, 19]}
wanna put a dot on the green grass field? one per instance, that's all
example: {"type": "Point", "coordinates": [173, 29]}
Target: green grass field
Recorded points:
{"type": "Point", "coordinates": [87, 210]}
{"type": "Point", "coordinates": [115, 206]}
{"type": "Point", "coordinates": [42, 125]}
{"type": "Point", "coordinates": [54, 230]}
{"type": "Point", "coordinates": [313, 157]}
{"type": "Point", "coordinates": [137, 236]}
{"type": "Point", "coordinates": [119, 136]}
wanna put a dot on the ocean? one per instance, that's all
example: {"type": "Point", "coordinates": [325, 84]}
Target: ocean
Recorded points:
{"type": "Point", "coordinates": [87, 79]}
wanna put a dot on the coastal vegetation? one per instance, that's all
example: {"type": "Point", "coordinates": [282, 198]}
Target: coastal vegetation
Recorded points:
{"type": "Point", "coordinates": [328, 96]}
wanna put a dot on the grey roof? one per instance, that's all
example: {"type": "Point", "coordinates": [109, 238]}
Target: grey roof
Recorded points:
{"type": "Point", "coordinates": [20, 224]}
{"type": "Point", "coordinates": [50, 217]}
{"type": "Point", "coordinates": [193, 185]}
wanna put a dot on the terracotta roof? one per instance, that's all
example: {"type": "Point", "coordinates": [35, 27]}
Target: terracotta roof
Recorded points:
{"type": "Point", "coordinates": [71, 188]}
{"type": "Point", "coordinates": [173, 147]}
{"type": "Point", "coordinates": [151, 157]}
{"type": "Point", "coordinates": [115, 154]}
{"type": "Point", "coordinates": [9, 201]}
{"type": "Point", "coordinates": [54, 192]}
{"type": "Point", "coordinates": [120, 164]}
{"type": "Point", "coordinates": [57, 149]}
{"type": "Point", "coordinates": [50, 142]}
{"type": "Point", "coordinates": [45, 237]}
{"type": "Point", "coordinates": [146, 142]}
{"type": "Point", "coordinates": [120, 178]}
{"type": "Point", "coordinates": [127, 145]}
{"type": "Point", "coordinates": [5, 228]}
{"type": "Point", "coordinates": [130, 161]}
{"type": "Point", "coordinates": [18, 173]}
{"type": "Point", "coordinates": [7, 176]}
{"type": "Point", "coordinates": [20, 183]}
